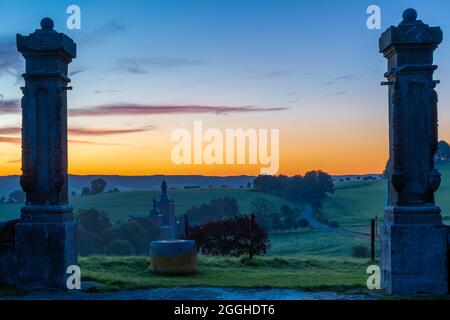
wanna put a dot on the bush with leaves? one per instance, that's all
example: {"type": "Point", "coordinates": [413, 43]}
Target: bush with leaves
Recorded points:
{"type": "Point", "coordinates": [230, 237]}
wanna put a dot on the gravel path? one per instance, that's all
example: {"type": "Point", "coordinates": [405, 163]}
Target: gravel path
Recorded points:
{"type": "Point", "coordinates": [195, 293]}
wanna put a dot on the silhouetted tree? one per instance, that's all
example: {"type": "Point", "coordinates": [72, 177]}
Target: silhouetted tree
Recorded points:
{"type": "Point", "coordinates": [311, 188]}
{"type": "Point", "coordinates": [230, 237]}
{"type": "Point", "coordinates": [98, 186]}
{"type": "Point", "coordinates": [216, 209]}
{"type": "Point", "coordinates": [264, 210]}
{"type": "Point", "coordinates": [316, 185]}
{"type": "Point", "coordinates": [85, 191]}
{"type": "Point", "coordinates": [443, 152]}
{"type": "Point", "coordinates": [93, 220]}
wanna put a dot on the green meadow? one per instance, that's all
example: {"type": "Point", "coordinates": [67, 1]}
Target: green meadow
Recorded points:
{"type": "Point", "coordinates": [306, 273]}
{"type": "Point", "coordinates": [355, 203]}
{"type": "Point", "coordinates": [123, 204]}
{"type": "Point", "coordinates": [308, 241]}
{"type": "Point", "coordinates": [352, 205]}
{"type": "Point", "coordinates": [313, 259]}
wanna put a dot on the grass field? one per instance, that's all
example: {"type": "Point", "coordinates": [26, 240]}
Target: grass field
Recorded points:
{"type": "Point", "coordinates": [312, 274]}
{"type": "Point", "coordinates": [313, 242]}
{"type": "Point", "coordinates": [121, 205]}
{"type": "Point", "coordinates": [354, 204]}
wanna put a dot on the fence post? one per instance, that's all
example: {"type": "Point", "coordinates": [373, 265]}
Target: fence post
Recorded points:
{"type": "Point", "coordinates": [372, 239]}
{"type": "Point", "coordinates": [186, 227]}
{"type": "Point", "coordinates": [252, 223]}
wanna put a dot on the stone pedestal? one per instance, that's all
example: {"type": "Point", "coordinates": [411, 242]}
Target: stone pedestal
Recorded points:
{"type": "Point", "coordinates": [45, 246]}
{"type": "Point", "coordinates": [45, 236]}
{"type": "Point", "coordinates": [414, 242]}
{"type": "Point", "coordinates": [414, 251]}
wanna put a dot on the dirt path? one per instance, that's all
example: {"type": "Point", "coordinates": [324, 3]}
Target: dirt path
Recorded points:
{"type": "Point", "coordinates": [308, 215]}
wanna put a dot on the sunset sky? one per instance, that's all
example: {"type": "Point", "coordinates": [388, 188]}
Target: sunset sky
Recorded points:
{"type": "Point", "coordinates": [145, 68]}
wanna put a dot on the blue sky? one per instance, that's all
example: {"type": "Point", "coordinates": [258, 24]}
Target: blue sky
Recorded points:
{"type": "Point", "coordinates": [315, 60]}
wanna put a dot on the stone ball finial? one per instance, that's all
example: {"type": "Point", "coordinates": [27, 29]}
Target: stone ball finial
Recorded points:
{"type": "Point", "coordinates": [410, 15]}
{"type": "Point", "coordinates": [47, 24]}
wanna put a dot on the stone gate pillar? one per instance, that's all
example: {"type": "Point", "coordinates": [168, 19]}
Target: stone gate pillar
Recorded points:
{"type": "Point", "coordinates": [413, 238]}
{"type": "Point", "coordinates": [45, 236]}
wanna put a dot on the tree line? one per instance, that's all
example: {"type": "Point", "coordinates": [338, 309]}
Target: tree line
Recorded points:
{"type": "Point", "coordinates": [312, 188]}
{"type": "Point", "coordinates": [97, 235]}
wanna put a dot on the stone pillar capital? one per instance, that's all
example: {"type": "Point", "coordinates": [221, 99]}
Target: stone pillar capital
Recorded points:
{"type": "Point", "coordinates": [410, 34]}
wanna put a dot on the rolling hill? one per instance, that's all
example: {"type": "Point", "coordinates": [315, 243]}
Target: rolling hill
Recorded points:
{"type": "Point", "coordinates": [354, 204]}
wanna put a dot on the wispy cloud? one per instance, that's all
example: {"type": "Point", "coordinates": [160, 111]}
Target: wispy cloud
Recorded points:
{"type": "Point", "coordinates": [105, 131]}
{"type": "Point", "coordinates": [137, 109]}
{"type": "Point", "coordinates": [9, 106]}
{"type": "Point", "coordinates": [340, 93]}
{"type": "Point", "coordinates": [13, 140]}
{"type": "Point", "coordinates": [107, 91]}
{"type": "Point", "coordinates": [86, 131]}
{"type": "Point", "coordinates": [18, 140]}
{"type": "Point", "coordinates": [94, 143]}
{"type": "Point", "coordinates": [103, 33]}
{"type": "Point", "coordinates": [13, 107]}
{"type": "Point", "coordinates": [142, 65]}
{"type": "Point", "coordinates": [350, 77]}
{"type": "Point", "coordinates": [10, 130]}
{"type": "Point", "coordinates": [10, 61]}
{"type": "Point", "coordinates": [77, 71]}
{"type": "Point", "coordinates": [273, 74]}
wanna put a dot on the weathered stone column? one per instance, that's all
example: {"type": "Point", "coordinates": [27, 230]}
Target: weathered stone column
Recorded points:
{"type": "Point", "coordinates": [45, 236]}
{"type": "Point", "coordinates": [413, 238]}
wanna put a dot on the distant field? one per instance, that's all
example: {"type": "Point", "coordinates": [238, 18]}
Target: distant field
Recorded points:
{"type": "Point", "coordinates": [354, 204]}
{"type": "Point", "coordinates": [120, 205]}
{"type": "Point", "coordinates": [312, 242]}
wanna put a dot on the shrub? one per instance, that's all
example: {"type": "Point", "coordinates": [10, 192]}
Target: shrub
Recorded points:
{"type": "Point", "coordinates": [230, 237]}
{"type": "Point", "coordinates": [360, 252]}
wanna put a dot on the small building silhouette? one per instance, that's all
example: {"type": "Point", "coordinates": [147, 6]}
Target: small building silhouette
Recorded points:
{"type": "Point", "coordinates": [162, 215]}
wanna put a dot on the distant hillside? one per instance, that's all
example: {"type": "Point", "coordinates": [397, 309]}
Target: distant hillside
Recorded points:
{"type": "Point", "coordinates": [76, 183]}
{"type": "Point", "coordinates": [8, 184]}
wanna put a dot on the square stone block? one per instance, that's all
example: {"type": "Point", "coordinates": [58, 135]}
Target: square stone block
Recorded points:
{"type": "Point", "coordinates": [44, 250]}
{"type": "Point", "coordinates": [414, 256]}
